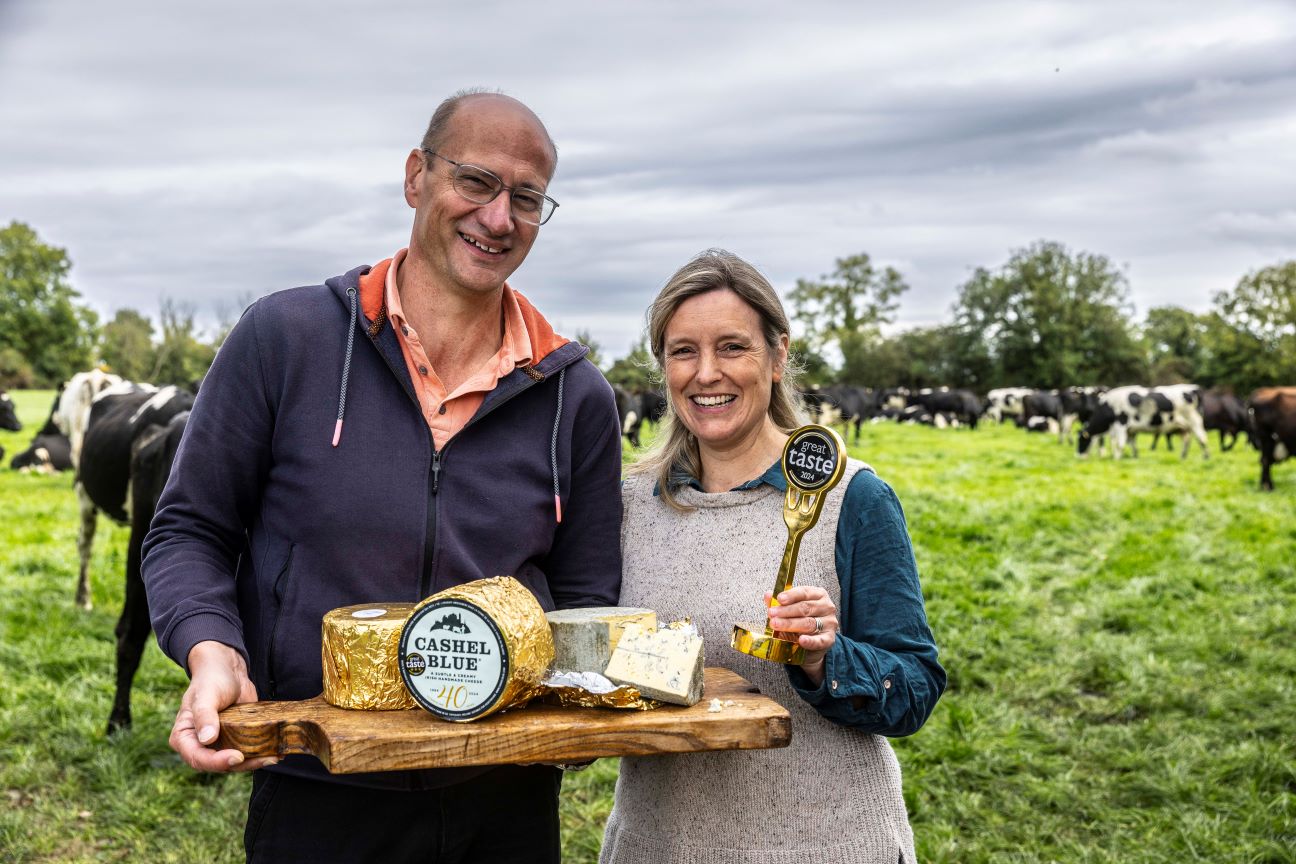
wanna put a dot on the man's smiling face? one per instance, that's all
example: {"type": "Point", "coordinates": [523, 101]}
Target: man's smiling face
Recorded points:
{"type": "Point", "coordinates": [468, 247]}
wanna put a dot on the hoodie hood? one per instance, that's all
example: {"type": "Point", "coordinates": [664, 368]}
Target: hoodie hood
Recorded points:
{"type": "Point", "coordinates": [363, 291]}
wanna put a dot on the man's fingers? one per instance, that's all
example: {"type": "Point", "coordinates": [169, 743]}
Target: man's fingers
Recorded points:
{"type": "Point", "coordinates": [206, 707]}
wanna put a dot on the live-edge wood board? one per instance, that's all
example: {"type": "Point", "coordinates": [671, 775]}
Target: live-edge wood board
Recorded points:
{"type": "Point", "coordinates": [352, 741]}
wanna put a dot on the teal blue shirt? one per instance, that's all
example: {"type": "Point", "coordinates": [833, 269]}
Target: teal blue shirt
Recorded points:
{"type": "Point", "coordinates": [882, 674]}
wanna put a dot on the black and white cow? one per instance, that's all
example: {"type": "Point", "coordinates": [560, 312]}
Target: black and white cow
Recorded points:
{"type": "Point", "coordinates": [628, 412]}
{"type": "Point", "coordinates": [635, 409]}
{"type": "Point", "coordinates": [124, 461]}
{"type": "Point", "coordinates": [959, 407]}
{"type": "Point", "coordinates": [1004, 402]}
{"type": "Point", "coordinates": [49, 451]}
{"type": "Point", "coordinates": [1272, 430]}
{"type": "Point", "coordinates": [844, 404]}
{"type": "Point", "coordinates": [9, 414]}
{"type": "Point", "coordinates": [1123, 412]}
{"type": "Point", "coordinates": [101, 447]}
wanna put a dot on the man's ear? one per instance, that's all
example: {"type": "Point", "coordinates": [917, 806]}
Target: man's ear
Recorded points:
{"type": "Point", "coordinates": [415, 165]}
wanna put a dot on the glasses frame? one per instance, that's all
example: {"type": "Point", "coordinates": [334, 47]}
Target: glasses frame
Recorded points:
{"type": "Point", "coordinates": [458, 166]}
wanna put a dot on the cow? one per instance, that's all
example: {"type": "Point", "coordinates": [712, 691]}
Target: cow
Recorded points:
{"type": "Point", "coordinates": [49, 451]}
{"type": "Point", "coordinates": [960, 405]}
{"type": "Point", "coordinates": [628, 412]}
{"type": "Point", "coordinates": [9, 414]}
{"type": "Point", "coordinates": [1272, 431]}
{"type": "Point", "coordinates": [1226, 413]}
{"type": "Point", "coordinates": [1005, 402]}
{"type": "Point", "coordinates": [1125, 411]}
{"type": "Point", "coordinates": [842, 403]}
{"type": "Point", "coordinates": [123, 462]}
{"type": "Point", "coordinates": [635, 409]}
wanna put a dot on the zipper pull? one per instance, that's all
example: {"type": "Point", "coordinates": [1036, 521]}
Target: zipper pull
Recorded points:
{"type": "Point", "coordinates": [436, 471]}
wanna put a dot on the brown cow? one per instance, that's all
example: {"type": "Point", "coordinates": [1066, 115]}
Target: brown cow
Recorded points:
{"type": "Point", "coordinates": [1273, 427]}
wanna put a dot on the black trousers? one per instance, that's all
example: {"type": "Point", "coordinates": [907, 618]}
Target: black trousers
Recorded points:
{"type": "Point", "coordinates": [509, 814]}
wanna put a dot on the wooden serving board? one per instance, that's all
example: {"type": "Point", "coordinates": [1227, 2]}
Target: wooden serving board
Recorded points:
{"type": "Point", "coordinates": [352, 741]}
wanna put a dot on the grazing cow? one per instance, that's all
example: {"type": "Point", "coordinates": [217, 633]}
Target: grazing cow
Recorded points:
{"type": "Point", "coordinates": [49, 451]}
{"type": "Point", "coordinates": [1005, 402]}
{"type": "Point", "coordinates": [1273, 428]}
{"type": "Point", "coordinates": [9, 414]}
{"type": "Point", "coordinates": [1125, 411]}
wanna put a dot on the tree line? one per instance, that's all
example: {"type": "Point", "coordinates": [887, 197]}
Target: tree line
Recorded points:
{"type": "Point", "coordinates": [47, 334]}
{"type": "Point", "coordinates": [1048, 317]}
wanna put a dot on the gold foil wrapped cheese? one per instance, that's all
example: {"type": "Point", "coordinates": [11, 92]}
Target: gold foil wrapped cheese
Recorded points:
{"type": "Point", "coordinates": [475, 649]}
{"type": "Point", "coordinates": [360, 654]}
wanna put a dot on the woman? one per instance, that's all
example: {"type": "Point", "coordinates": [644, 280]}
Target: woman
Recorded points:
{"type": "Point", "coordinates": [702, 537]}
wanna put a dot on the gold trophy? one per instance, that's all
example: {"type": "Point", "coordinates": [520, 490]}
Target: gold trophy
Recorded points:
{"type": "Point", "coordinates": [813, 463]}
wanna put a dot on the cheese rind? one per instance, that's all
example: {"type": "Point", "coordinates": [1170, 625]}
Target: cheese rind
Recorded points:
{"type": "Point", "coordinates": [585, 638]}
{"type": "Point", "coordinates": [664, 664]}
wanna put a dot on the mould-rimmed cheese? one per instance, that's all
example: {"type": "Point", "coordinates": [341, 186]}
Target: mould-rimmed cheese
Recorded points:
{"type": "Point", "coordinates": [475, 649]}
{"type": "Point", "coordinates": [359, 652]}
{"type": "Point", "coordinates": [584, 638]}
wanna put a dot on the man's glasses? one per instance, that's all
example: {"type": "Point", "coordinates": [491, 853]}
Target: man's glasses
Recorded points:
{"type": "Point", "coordinates": [481, 187]}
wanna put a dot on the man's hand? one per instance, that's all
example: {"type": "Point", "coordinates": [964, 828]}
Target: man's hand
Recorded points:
{"type": "Point", "coordinates": [218, 679]}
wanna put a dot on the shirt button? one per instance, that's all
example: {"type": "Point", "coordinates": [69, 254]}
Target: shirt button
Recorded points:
{"type": "Point", "coordinates": [834, 685]}
{"type": "Point", "coordinates": [441, 410]}
{"type": "Point", "coordinates": [422, 370]}
{"type": "Point", "coordinates": [886, 685]}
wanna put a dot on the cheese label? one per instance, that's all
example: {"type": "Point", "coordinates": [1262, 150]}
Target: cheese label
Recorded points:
{"type": "Point", "coordinates": [369, 613]}
{"type": "Point", "coordinates": [453, 659]}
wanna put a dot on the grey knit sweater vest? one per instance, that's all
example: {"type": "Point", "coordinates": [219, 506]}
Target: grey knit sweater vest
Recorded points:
{"type": "Point", "coordinates": [834, 794]}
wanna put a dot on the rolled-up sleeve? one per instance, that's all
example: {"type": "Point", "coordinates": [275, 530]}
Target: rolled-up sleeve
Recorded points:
{"type": "Point", "coordinates": [882, 674]}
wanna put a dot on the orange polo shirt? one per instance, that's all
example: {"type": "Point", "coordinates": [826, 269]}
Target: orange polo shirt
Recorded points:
{"type": "Point", "coordinates": [447, 413]}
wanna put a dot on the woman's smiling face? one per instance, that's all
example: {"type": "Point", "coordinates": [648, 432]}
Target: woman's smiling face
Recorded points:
{"type": "Point", "coordinates": [719, 369]}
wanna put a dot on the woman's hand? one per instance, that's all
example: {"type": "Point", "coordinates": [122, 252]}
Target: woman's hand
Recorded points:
{"type": "Point", "coordinates": [807, 612]}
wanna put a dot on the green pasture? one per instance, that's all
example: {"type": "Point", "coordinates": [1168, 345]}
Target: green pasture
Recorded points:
{"type": "Point", "coordinates": [1120, 638]}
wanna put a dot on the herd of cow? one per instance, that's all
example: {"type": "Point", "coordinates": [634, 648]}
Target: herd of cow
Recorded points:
{"type": "Point", "coordinates": [121, 438]}
{"type": "Point", "coordinates": [1118, 415]}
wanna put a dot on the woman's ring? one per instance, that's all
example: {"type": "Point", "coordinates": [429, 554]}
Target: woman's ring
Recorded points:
{"type": "Point", "coordinates": [818, 626]}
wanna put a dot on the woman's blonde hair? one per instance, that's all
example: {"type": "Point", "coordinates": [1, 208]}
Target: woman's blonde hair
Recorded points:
{"type": "Point", "coordinates": [676, 450]}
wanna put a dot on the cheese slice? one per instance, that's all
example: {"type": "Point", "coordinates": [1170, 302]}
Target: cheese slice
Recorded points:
{"type": "Point", "coordinates": [584, 638]}
{"type": "Point", "coordinates": [663, 664]}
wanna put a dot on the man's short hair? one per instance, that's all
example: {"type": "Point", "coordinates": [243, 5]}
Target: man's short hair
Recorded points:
{"type": "Point", "coordinates": [439, 126]}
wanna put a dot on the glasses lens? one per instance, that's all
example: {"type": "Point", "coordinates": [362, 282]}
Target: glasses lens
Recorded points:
{"type": "Point", "coordinates": [531, 206]}
{"type": "Point", "coordinates": [476, 184]}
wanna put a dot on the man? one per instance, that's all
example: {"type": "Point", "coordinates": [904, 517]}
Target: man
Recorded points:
{"type": "Point", "coordinates": [398, 430]}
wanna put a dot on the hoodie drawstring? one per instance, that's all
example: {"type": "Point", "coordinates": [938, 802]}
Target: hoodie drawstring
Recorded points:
{"type": "Point", "coordinates": [346, 368]}
{"type": "Point", "coordinates": [553, 446]}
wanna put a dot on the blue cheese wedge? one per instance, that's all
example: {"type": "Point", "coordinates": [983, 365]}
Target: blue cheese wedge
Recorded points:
{"type": "Point", "coordinates": [585, 638]}
{"type": "Point", "coordinates": [663, 664]}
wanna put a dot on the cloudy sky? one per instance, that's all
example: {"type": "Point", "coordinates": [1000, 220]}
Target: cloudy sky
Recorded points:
{"type": "Point", "coordinates": [213, 152]}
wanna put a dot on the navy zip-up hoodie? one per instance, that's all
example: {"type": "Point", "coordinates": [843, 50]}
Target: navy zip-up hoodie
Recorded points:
{"type": "Point", "coordinates": [265, 525]}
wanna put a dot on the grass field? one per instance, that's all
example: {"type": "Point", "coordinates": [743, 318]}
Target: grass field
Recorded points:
{"type": "Point", "coordinates": [1120, 638]}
